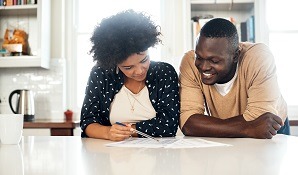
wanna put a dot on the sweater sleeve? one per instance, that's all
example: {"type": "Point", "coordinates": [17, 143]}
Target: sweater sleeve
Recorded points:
{"type": "Point", "coordinates": [261, 81]}
{"type": "Point", "coordinates": [191, 96]}
{"type": "Point", "coordinates": [167, 105]}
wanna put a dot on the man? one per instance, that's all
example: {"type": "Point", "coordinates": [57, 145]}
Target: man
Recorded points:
{"type": "Point", "coordinates": [230, 89]}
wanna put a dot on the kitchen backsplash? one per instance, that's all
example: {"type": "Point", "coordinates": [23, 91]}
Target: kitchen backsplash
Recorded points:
{"type": "Point", "coordinates": [46, 84]}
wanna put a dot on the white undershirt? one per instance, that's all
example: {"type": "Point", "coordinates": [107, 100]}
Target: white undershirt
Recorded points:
{"type": "Point", "coordinates": [225, 88]}
{"type": "Point", "coordinates": [120, 110]}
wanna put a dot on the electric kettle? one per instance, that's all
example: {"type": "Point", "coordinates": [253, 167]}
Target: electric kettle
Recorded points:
{"type": "Point", "coordinates": [24, 103]}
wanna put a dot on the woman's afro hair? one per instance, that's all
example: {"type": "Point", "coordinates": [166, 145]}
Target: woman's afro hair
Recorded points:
{"type": "Point", "coordinates": [121, 35]}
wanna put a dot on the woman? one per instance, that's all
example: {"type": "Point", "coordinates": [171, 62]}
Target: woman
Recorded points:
{"type": "Point", "coordinates": [125, 86]}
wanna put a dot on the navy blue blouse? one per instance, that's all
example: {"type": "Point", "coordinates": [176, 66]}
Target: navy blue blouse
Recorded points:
{"type": "Point", "coordinates": [162, 84]}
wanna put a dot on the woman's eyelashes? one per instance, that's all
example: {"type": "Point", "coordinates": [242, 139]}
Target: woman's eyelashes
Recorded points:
{"type": "Point", "coordinates": [145, 59]}
{"type": "Point", "coordinates": [127, 68]}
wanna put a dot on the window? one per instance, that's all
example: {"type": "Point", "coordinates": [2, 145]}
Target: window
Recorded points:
{"type": "Point", "coordinates": [87, 14]}
{"type": "Point", "coordinates": [283, 37]}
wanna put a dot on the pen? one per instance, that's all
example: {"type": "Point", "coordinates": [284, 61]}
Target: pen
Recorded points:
{"type": "Point", "coordinates": [139, 132]}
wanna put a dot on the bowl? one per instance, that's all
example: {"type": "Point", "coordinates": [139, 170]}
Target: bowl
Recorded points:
{"type": "Point", "coordinates": [13, 47]}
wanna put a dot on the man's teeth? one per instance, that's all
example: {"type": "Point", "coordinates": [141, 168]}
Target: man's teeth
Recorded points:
{"type": "Point", "coordinates": [207, 74]}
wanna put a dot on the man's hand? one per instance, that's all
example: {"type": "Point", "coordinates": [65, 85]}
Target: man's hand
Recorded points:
{"type": "Point", "coordinates": [264, 127]}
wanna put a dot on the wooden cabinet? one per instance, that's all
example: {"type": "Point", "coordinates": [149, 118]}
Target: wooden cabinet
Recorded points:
{"type": "Point", "coordinates": [239, 10]}
{"type": "Point", "coordinates": [34, 19]}
{"type": "Point", "coordinates": [54, 127]}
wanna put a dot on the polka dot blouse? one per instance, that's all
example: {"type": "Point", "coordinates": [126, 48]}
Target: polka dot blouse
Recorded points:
{"type": "Point", "coordinates": [162, 84]}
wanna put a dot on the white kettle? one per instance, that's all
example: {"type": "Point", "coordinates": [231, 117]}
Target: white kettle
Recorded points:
{"type": "Point", "coordinates": [25, 103]}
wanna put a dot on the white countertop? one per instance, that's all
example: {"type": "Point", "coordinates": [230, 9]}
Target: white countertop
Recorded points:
{"type": "Point", "coordinates": [71, 155]}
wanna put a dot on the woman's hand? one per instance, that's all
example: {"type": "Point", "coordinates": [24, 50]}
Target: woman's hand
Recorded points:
{"type": "Point", "coordinates": [119, 133]}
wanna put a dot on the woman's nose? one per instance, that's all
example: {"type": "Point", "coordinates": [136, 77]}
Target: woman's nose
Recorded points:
{"type": "Point", "coordinates": [139, 70]}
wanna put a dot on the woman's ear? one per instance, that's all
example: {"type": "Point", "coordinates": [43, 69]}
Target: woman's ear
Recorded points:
{"type": "Point", "coordinates": [236, 56]}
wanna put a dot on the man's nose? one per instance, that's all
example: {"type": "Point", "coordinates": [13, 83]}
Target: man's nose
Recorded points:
{"type": "Point", "coordinates": [205, 65]}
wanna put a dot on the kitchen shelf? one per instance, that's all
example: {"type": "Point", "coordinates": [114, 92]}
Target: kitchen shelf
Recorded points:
{"type": "Point", "coordinates": [238, 10]}
{"type": "Point", "coordinates": [23, 61]}
{"type": "Point", "coordinates": [244, 7]}
{"type": "Point", "coordinates": [19, 7]}
{"type": "Point", "coordinates": [35, 19]}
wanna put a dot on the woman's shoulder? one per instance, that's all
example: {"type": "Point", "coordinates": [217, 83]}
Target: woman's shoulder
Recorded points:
{"type": "Point", "coordinates": [101, 71]}
{"type": "Point", "coordinates": [97, 68]}
{"type": "Point", "coordinates": [158, 66]}
{"type": "Point", "coordinates": [98, 72]}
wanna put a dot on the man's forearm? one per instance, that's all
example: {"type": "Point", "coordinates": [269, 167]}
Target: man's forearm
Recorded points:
{"type": "Point", "coordinates": [263, 127]}
{"type": "Point", "coordinates": [206, 126]}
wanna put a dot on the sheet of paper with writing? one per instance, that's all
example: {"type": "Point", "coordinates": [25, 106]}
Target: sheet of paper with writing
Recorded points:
{"type": "Point", "coordinates": [166, 143]}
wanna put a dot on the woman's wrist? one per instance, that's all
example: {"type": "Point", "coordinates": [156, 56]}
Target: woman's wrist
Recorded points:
{"type": "Point", "coordinates": [134, 127]}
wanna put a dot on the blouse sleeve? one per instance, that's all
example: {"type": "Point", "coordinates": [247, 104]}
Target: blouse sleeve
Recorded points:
{"type": "Point", "coordinates": [166, 104]}
{"type": "Point", "coordinates": [92, 111]}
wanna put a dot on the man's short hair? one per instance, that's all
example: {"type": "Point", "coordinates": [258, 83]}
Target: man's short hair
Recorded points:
{"type": "Point", "coordinates": [221, 28]}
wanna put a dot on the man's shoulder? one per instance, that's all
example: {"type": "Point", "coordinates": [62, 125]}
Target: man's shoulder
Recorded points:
{"type": "Point", "coordinates": [188, 58]}
{"type": "Point", "coordinates": [253, 48]}
{"type": "Point", "coordinates": [255, 53]}
{"type": "Point", "coordinates": [189, 54]}
{"type": "Point", "coordinates": [255, 57]}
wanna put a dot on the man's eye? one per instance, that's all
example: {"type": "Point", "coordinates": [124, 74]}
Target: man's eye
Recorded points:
{"type": "Point", "coordinates": [214, 61]}
{"type": "Point", "coordinates": [127, 68]}
{"type": "Point", "coordinates": [198, 58]}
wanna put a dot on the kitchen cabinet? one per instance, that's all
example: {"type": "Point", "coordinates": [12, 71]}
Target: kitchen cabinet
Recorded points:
{"type": "Point", "coordinates": [239, 10]}
{"type": "Point", "coordinates": [51, 127]}
{"type": "Point", "coordinates": [36, 132]}
{"type": "Point", "coordinates": [35, 20]}
{"type": "Point", "coordinates": [222, 6]}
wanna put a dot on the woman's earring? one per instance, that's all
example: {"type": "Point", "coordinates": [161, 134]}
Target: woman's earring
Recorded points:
{"type": "Point", "coordinates": [117, 69]}
{"type": "Point", "coordinates": [236, 57]}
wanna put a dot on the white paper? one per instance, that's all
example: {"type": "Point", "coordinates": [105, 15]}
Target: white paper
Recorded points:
{"type": "Point", "coordinates": [165, 143]}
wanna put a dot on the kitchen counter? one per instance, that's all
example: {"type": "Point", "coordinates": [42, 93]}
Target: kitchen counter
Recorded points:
{"type": "Point", "coordinates": [57, 127]}
{"type": "Point", "coordinates": [66, 128]}
{"type": "Point", "coordinates": [75, 156]}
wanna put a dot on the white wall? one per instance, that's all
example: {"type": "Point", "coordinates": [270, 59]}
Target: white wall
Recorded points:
{"type": "Point", "coordinates": [57, 29]}
{"type": "Point", "coordinates": [48, 85]}
{"type": "Point", "coordinates": [173, 47]}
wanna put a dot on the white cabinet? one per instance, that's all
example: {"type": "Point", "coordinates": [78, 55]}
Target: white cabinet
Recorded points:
{"type": "Point", "coordinates": [36, 132]}
{"type": "Point", "coordinates": [35, 19]}
{"type": "Point", "coordinates": [239, 10]}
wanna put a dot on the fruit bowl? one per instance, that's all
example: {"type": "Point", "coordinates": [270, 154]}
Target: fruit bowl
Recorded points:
{"type": "Point", "coordinates": [13, 47]}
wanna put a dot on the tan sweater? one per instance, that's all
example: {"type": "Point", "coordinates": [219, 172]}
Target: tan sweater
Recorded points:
{"type": "Point", "coordinates": [254, 92]}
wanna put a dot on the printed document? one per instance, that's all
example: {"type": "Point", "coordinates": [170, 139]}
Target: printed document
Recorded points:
{"type": "Point", "coordinates": [166, 143]}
